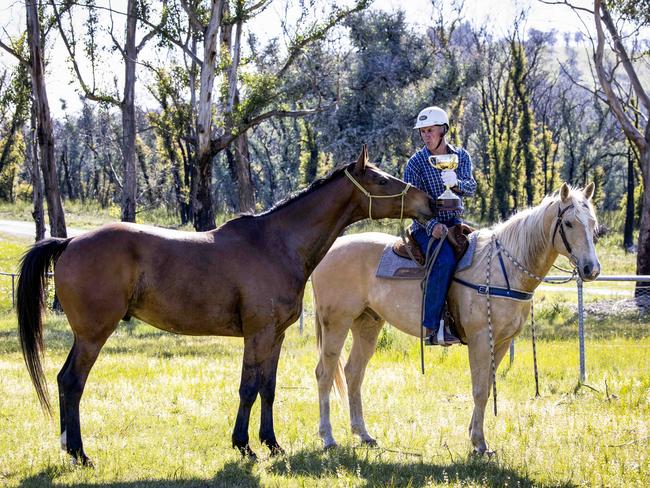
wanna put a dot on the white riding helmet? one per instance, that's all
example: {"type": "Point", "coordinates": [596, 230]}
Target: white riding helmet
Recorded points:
{"type": "Point", "coordinates": [431, 116]}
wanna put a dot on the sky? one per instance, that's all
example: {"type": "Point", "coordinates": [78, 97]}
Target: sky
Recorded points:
{"type": "Point", "coordinates": [497, 15]}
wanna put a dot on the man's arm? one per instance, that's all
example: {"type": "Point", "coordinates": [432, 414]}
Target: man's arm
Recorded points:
{"type": "Point", "coordinates": [412, 176]}
{"type": "Point", "coordinates": [466, 184]}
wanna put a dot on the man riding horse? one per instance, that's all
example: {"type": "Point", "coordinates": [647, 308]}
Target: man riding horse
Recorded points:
{"type": "Point", "coordinates": [433, 125]}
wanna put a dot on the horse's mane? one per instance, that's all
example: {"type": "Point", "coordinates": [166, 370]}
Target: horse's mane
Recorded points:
{"type": "Point", "coordinates": [315, 185]}
{"type": "Point", "coordinates": [524, 235]}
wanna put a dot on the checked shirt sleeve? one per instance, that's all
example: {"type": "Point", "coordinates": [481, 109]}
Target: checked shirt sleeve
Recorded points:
{"type": "Point", "coordinates": [412, 176]}
{"type": "Point", "coordinates": [466, 182]}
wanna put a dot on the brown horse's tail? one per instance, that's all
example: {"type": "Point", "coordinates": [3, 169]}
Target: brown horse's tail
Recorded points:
{"type": "Point", "coordinates": [340, 386]}
{"type": "Point", "coordinates": [30, 302]}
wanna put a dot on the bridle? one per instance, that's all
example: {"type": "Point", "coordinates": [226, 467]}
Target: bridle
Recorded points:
{"type": "Point", "coordinates": [402, 195]}
{"type": "Point", "coordinates": [560, 227]}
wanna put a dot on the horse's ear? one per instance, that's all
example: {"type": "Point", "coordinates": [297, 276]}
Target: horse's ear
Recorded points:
{"type": "Point", "coordinates": [564, 192]}
{"type": "Point", "coordinates": [363, 159]}
{"type": "Point", "coordinates": [589, 190]}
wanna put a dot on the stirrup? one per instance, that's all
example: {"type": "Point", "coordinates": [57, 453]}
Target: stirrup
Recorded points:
{"type": "Point", "coordinates": [443, 337]}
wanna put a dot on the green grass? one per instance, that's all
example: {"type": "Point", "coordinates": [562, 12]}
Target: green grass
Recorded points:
{"type": "Point", "coordinates": [159, 409]}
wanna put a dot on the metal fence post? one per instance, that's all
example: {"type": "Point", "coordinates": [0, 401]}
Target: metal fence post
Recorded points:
{"type": "Point", "coordinates": [302, 318]}
{"type": "Point", "coordinates": [512, 351]}
{"type": "Point", "coordinates": [581, 330]}
{"type": "Point", "coordinates": [13, 291]}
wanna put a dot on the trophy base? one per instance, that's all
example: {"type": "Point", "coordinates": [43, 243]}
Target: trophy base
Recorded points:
{"type": "Point", "coordinates": [450, 204]}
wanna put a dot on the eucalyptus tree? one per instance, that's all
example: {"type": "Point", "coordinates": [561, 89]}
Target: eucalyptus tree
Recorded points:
{"type": "Point", "coordinates": [35, 63]}
{"type": "Point", "coordinates": [618, 27]}
{"type": "Point", "coordinates": [129, 50]}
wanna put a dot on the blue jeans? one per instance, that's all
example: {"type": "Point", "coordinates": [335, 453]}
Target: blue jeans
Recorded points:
{"type": "Point", "coordinates": [439, 279]}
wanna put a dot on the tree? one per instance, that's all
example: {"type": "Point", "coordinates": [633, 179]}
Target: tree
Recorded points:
{"type": "Point", "coordinates": [44, 132]}
{"type": "Point", "coordinates": [130, 50]}
{"type": "Point", "coordinates": [639, 137]}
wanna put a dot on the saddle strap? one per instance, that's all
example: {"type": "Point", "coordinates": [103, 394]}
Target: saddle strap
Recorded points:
{"type": "Point", "coordinates": [522, 296]}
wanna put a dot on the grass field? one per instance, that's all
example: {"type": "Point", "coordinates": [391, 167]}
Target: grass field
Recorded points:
{"type": "Point", "coordinates": [159, 409]}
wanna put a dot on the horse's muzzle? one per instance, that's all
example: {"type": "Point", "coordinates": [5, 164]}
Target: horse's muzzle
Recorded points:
{"type": "Point", "coordinates": [589, 270]}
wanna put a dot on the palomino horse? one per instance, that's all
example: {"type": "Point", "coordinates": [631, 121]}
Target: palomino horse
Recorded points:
{"type": "Point", "coordinates": [347, 295]}
{"type": "Point", "coordinates": [244, 279]}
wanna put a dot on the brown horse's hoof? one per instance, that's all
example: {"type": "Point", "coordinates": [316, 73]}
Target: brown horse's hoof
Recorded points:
{"type": "Point", "coordinates": [247, 452]}
{"type": "Point", "coordinates": [275, 448]}
{"type": "Point", "coordinates": [82, 461]}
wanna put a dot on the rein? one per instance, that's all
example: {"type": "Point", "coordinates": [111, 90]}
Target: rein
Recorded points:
{"type": "Point", "coordinates": [495, 245]}
{"type": "Point", "coordinates": [370, 196]}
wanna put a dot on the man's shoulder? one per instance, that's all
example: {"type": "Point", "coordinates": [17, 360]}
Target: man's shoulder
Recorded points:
{"type": "Point", "coordinates": [418, 157]}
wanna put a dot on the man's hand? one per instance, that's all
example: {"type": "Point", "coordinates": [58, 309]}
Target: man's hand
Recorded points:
{"type": "Point", "coordinates": [438, 230]}
{"type": "Point", "coordinates": [449, 177]}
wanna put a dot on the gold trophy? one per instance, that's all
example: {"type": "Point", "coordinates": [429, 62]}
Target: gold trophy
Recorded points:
{"type": "Point", "coordinates": [448, 200]}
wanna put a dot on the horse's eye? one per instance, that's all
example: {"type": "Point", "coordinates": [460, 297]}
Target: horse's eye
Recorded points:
{"type": "Point", "coordinates": [569, 225]}
{"type": "Point", "coordinates": [383, 181]}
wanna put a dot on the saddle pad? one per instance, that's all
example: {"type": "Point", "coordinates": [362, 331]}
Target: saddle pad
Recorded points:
{"type": "Point", "coordinates": [396, 267]}
{"type": "Point", "coordinates": [466, 261]}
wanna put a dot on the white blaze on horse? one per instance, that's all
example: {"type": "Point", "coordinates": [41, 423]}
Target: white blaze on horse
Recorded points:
{"type": "Point", "coordinates": [349, 296]}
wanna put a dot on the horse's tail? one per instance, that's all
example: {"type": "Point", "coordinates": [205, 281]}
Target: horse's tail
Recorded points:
{"type": "Point", "coordinates": [340, 385]}
{"type": "Point", "coordinates": [30, 302]}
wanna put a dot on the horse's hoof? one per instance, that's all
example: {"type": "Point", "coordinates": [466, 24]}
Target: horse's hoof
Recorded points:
{"type": "Point", "coordinates": [483, 451]}
{"type": "Point", "coordinates": [276, 450]}
{"type": "Point", "coordinates": [330, 445]}
{"type": "Point", "coordinates": [82, 461]}
{"type": "Point", "coordinates": [247, 452]}
{"type": "Point", "coordinates": [369, 442]}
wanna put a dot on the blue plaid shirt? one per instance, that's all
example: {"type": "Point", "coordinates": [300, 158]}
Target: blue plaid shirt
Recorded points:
{"type": "Point", "coordinates": [421, 174]}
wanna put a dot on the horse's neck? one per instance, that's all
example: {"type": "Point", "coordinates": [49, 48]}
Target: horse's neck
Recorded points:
{"type": "Point", "coordinates": [540, 265]}
{"type": "Point", "coordinates": [311, 224]}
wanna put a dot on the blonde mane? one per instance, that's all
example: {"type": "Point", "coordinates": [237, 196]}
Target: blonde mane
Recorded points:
{"type": "Point", "coordinates": [524, 234]}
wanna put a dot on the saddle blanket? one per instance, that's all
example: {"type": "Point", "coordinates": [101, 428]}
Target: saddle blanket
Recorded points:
{"type": "Point", "coordinates": [392, 266]}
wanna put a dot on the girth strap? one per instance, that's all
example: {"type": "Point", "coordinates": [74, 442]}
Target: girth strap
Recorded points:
{"type": "Point", "coordinates": [497, 292]}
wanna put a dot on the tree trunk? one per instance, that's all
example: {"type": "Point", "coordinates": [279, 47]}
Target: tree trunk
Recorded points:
{"type": "Point", "coordinates": [129, 186]}
{"type": "Point", "coordinates": [37, 187]}
{"type": "Point", "coordinates": [246, 190]}
{"type": "Point", "coordinates": [628, 232]}
{"type": "Point", "coordinates": [203, 213]}
{"type": "Point", "coordinates": [44, 122]}
{"type": "Point", "coordinates": [643, 252]}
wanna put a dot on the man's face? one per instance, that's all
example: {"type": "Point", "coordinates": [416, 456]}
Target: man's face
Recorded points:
{"type": "Point", "coordinates": [432, 134]}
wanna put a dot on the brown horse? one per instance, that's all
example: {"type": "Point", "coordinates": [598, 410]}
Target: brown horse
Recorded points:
{"type": "Point", "coordinates": [244, 279]}
{"type": "Point", "coordinates": [348, 296]}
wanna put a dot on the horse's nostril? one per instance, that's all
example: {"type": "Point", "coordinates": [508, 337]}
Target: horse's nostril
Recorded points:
{"type": "Point", "coordinates": [587, 269]}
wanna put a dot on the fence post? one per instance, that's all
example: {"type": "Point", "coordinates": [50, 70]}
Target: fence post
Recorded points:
{"type": "Point", "coordinates": [302, 318]}
{"type": "Point", "coordinates": [581, 330]}
{"type": "Point", "coordinates": [13, 291]}
{"type": "Point", "coordinates": [512, 351]}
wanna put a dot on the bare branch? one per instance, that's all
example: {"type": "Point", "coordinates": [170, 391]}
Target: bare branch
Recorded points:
{"type": "Point", "coordinates": [318, 32]}
{"type": "Point", "coordinates": [194, 20]}
{"type": "Point", "coordinates": [225, 140]}
{"type": "Point", "coordinates": [90, 94]}
{"type": "Point", "coordinates": [614, 103]}
{"type": "Point", "coordinates": [15, 54]}
{"type": "Point", "coordinates": [622, 52]}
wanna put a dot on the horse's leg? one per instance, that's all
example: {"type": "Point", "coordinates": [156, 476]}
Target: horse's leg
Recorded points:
{"type": "Point", "coordinates": [261, 348]}
{"type": "Point", "coordinates": [72, 380]}
{"type": "Point", "coordinates": [333, 339]}
{"type": "Point", "coordinates": [269, 369]}
{"type": "Point", "coordinates": [481, 368]}
{"type": "Point", "coordinates": [364, 340]}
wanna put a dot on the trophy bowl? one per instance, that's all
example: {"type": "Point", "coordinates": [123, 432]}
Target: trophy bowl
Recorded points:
{"type": "Point", "coordinates": [448, 200]}
{"type": "Point", "coordinates": [444, 161]}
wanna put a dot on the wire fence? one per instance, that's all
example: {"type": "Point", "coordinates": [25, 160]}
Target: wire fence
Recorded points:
{"type": "Point", "coordinates": [637, 296]}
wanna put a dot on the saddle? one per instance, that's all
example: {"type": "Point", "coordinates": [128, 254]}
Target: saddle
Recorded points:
{"type": "Point", "coordinates": [457, 237]}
